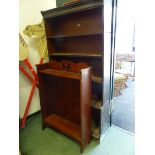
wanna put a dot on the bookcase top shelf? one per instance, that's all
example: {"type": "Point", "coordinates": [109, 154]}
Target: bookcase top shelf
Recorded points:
{"type": "Point", "coordinates": [73, 35]}
{"type": "Point", "coordinates": [72, 8]}
{"type": "Point", "coordinates": [72, 54]}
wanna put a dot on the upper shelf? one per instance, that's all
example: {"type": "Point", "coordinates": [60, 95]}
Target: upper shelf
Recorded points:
{"type": "Point", "coordinates": [97, 79]}
{"type": "Point", "coordinates": [76, 55]}
{"type": "Point", "coordinates": [73, 35]}
{"type": "Point", "coordinates": [72, 8]}
{"type": "Point", "coordinates": [97, 104]}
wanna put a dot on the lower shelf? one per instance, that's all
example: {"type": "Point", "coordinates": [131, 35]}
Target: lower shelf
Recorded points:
{"type": "Point", "coordinates": [95, 132]}
{"type": "Point", "coordinates": [97, 79]}
{"type": "Point", "coordinates": [65, 126]}
{"type": "Point", "coordinates": [96, 104]}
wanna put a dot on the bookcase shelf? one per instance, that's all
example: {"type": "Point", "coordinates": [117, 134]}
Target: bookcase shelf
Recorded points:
{"type": "Point", "coordinates": [97, 79]}
{"type": "Point", "coordinates": [72, 54]}
{"type": "Point", "coordinates": [97, 104]}
{"type": "Point", "coordinates": [73, 35]}
{"type": "Point", "coordinates": [64, 125]}
{"type": "Point", "coordinates": [95, 131]}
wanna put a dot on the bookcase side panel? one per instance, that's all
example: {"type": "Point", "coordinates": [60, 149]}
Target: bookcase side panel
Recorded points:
{"type": "Point", "coordinates": [86, 82]}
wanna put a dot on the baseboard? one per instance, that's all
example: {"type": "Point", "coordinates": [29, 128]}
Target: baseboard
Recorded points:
{"type": "Point", "coordinates": [35, 113]}
{"type": "Point", "coordinates": [123, 130]}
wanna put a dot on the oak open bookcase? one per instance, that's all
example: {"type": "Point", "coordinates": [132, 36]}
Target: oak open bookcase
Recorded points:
{"type": "Point", "coordinates": [75, 35]}
{"type": "Point", "coordinates": [65, 97]}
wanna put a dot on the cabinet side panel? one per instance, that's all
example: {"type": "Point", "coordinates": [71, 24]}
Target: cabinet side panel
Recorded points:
{"type": "Point", "coordinates": [86, 105]}
{"type": "Point", "coordinates": [105, 116]}
{"type": "Point", "coordinates": [107, 10]}
{"type": "Point", "coordinates": [106, 66]}
{"type": "Point", "coordinates": [42, 87]}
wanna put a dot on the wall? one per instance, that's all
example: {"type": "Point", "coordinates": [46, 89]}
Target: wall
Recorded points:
{"type": "Point", "coordinates": [29, 14]}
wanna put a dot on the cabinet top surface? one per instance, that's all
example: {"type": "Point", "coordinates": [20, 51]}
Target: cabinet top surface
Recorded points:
{"type": "Point", "coordinates": [72, 8]}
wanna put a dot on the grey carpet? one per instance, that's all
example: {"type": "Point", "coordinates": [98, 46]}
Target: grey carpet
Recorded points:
{"type": "Point", "coordinates": [123, 115]}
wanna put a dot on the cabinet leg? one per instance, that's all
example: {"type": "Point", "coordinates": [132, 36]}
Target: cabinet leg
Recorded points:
{"type": "Point", "coordinates": [81, 147]}
{"type": "Point", "coordinates": [89, 141]}
{"type": "Point", "coordinates": [43, 126]}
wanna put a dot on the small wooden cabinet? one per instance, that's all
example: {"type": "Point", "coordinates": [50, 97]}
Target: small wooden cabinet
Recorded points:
{"type": "Point", "coordinates": [75, 33]}
{"type": "Point", "coordinates": [65, 97]}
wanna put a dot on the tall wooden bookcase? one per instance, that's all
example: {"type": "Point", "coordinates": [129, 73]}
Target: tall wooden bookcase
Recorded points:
{"type": "Point", "coordinates": [76, 33]}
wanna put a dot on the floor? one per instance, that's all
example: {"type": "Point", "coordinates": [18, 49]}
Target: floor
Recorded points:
{"type": "Point", "coordinates": [35, 141]}
{"type": "Point", "coordinates": [123, 115]}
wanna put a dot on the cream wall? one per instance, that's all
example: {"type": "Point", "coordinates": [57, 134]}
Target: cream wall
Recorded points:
{"type": "Point", "coordinates": [29, 13]}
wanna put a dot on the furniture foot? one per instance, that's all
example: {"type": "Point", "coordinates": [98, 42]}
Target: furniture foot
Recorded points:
{"type": "Point", "coordinates": [81, 147]}
{"type": "Point", "coordinates": [43, 126]}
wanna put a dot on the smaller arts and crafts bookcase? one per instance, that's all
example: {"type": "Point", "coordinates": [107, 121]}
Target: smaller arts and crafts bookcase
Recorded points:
{"type": "Point", "coordinates": [65, 98]}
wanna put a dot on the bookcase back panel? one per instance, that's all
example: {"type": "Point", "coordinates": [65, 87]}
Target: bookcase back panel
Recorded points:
{"type": "Point", "coordinates": [96, 117]}
{"type": "Point", "coordinates": [95, 63]}
{"type": "Point", "coordinates": [85, 45]}
{"type": "Point", "coordinates": [97, 91]}
{"type": "Point", "coordinates": [82, 22]}
{"type": "Point", "coordinates": [43, 86]}
{"type": "Point", "coordinates": [50, 46]}
{"type": "Point", "coordinates": [63, 97]}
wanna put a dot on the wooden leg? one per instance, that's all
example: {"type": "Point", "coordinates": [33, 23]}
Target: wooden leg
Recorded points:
{"type": "Point", "coordinates": [89, 141]}
{"type": "Point", "coordinates": [43, 126]}
{"type": "Point", "coordinates": [81, 147]}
